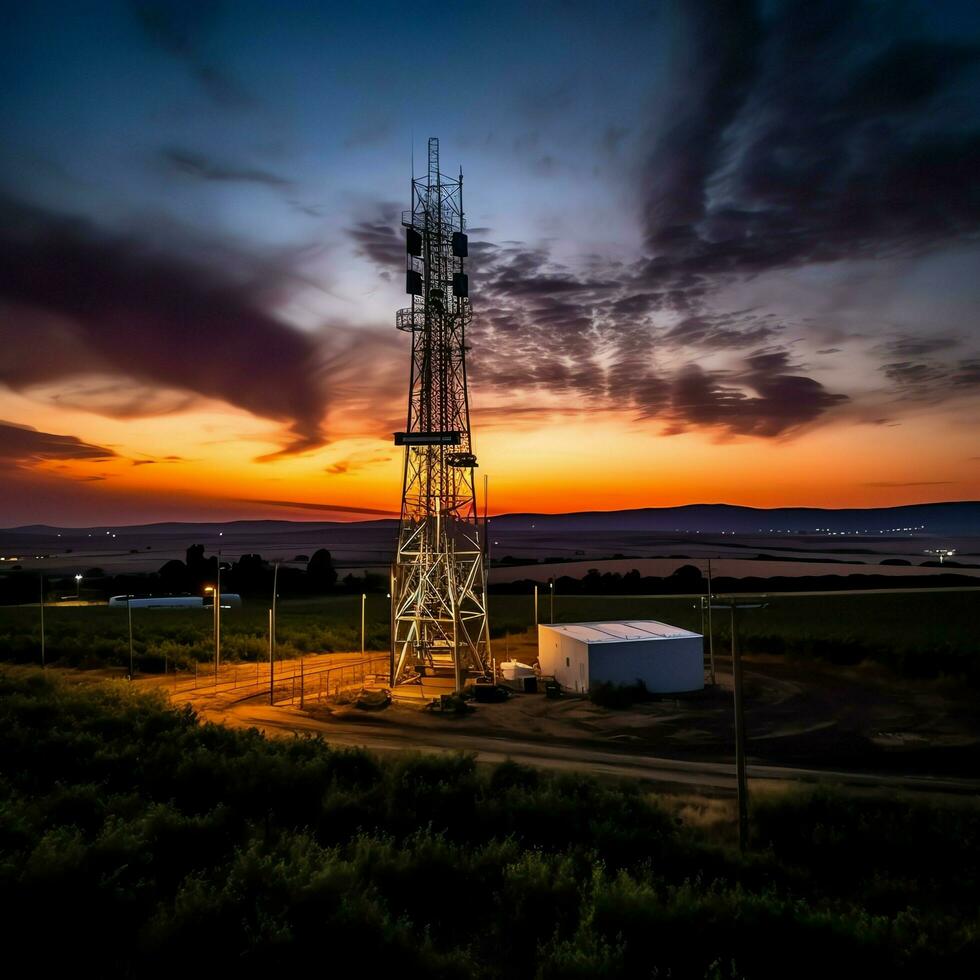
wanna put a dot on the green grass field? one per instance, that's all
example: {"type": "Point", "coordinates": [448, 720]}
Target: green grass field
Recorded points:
{"type": "Point", "coordinates": [917, 634]}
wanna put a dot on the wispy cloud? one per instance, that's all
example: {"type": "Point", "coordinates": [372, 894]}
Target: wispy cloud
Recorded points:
{"type": "Point", "coordinates": [107, 305]}
{"type": "Point", "coordinates": [202, 167]}
{"type": "Point", "coordinates": [303, 505]}
{"type": "Point", "coordinates": [25, 445]}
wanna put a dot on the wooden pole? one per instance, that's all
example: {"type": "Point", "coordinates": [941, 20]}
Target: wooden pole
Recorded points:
{"type": "Point", "coordinates": [272, 666]}
{"type": "Point", "coordinates": [129, 616]}
{"type": "Point", "coordinates": [711, 634]}
{"type": "Point", "coordinates": [740, 778]}
{"type": "Point", "coordinates": [363, 607]}
{"type": "Point", "coordinates": [535, 607]}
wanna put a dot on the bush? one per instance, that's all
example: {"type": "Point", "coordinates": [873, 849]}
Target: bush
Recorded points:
{"type": "Point", "coordinates": [151, 839]}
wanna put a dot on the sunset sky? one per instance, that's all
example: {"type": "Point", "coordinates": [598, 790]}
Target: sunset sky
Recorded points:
{"type": "Point", "coordinates": [721, 252]}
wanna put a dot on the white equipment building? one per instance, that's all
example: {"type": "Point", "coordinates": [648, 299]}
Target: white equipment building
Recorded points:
{"type": "Point", "coordinates": [667, 659]}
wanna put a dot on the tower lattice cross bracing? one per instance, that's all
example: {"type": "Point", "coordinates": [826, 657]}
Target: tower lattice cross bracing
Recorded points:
{"type": "Point", "coordinates": [439, 602]}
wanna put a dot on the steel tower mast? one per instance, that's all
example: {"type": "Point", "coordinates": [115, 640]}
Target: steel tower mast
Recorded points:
{"type": "Point", "coordinates": [438, 595]}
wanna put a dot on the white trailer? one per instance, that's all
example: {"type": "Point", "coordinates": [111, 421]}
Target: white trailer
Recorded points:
{"type": "Point", "coordinates": [667, 659]}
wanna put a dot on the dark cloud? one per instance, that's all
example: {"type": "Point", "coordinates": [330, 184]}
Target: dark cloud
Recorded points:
{"type": "Point", "coordinates": [913, 483]}
{"type": "Point", "coordinates": [713, 56]}
{"type": "Point", "coordinates": [765, 398]}
{"type": "Point", "coordinates": [933, 380]}
{"type": "Point", "coordinates": [790, 135]}
{"type": "Point", "coordinates": [542, 327]}
{"type": "Point", "coordinates": [103, 305]}
{"type": "Point", "coordinates": [25, 445]}
{"type": "Point", "coordinates": [717, 332]}
{"type": "Point", "coordinates": [354, 463]}
{"type": "Point", "coordinates": [197, 165]}
{"type": "Point", "coordinates": [916, 346]}
{"type": "Point", "coordinates": [303, 505]}
{"type": "Point", "coordinates": [810, 133]}
{"type": "Point", "coordinates": [380, 238]}
{"type": "Point", "coordinates": [183, 29]}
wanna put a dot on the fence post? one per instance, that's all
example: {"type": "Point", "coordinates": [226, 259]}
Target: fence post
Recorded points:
{"type": "Point", "coordinates": [302, 685]}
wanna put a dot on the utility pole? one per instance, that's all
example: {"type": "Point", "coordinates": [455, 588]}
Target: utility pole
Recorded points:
{"type": "Point", "coordinates": [272, 669]}
{"type": "Point", "coordinates": [742, 788]}
{"type": "Point", "coordinates": [129, 616]}
{"type": "Point", "coordinates": [43, 664]}
{"type": "Point", "coordinates": [711, 634]}
{"type": "Point", "coordinates": [741, 781]}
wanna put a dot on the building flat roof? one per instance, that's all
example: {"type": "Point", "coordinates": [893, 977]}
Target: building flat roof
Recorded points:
{"type": "Point", "coordinates": [619, 631]}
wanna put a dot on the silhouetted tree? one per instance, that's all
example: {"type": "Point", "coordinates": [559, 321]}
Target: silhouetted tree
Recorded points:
{"type": "Point", "coordinates": [320, 573]}
{"type": "Point", "coordinates": [173, 576]}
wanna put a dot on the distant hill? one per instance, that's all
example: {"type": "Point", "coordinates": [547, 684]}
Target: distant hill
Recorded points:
{"type": "Point", "coordinates": [960, 517]}
{"type": "Point", "coordinates": [957, 517]}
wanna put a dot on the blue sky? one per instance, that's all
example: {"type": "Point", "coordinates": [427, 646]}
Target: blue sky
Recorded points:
{"type": "Point", "coordinates": [733, 224]}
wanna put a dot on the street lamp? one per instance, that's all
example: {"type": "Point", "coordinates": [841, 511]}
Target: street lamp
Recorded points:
{"type": "Point", "coordinates": [78, 586]}
{"type": "Point", "coordinates": [363, 605]}
{"type": "Point", "coordinates": [551, 585]}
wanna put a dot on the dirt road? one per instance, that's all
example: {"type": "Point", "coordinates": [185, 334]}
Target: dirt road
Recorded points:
{"type": "Point", "coordinates": [379, 735]}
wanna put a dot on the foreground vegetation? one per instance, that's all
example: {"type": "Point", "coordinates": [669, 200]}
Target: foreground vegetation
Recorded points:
{"type": "Point", "coordinates": [928, 634]}
{"type": "Point", "coordinates": [134, 841]}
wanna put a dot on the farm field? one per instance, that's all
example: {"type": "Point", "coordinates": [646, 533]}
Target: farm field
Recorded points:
{"type": "Point", "coordinates": [916, 634]}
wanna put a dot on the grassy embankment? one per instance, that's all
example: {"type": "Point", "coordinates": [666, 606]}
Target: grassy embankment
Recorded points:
{"type": "Point", "coordinates": [136, 842]}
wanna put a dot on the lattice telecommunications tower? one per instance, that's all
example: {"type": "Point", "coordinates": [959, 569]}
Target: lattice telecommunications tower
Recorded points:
{"type": "Point", "coordinates": [438, 588]}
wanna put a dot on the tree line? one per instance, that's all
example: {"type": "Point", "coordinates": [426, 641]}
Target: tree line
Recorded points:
{"type": "Point", "coordinates": [250, 575]}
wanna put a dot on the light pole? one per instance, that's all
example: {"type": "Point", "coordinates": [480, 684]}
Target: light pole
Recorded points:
{"type": "Point", "coordinates": [272, 634]}
{"type": "Point", "coordinates": [551, 585]}
{"type": "Point", "coordinates": [363, 605]}
{"type": "Point", "coordinates": [217, 617]}
{"type": "Point", "coordinates": [43, 664]}
{"type": "Point", "coordinates": [78, 587]}
{"type": "Point", "coordinates": [129, 616]}
{"type": "Point", "coordinates": [272, 676]}
{"type": "Point", "coordinates": [535, 607]}
{"type": "Point", "coordinates": [391, 626]}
